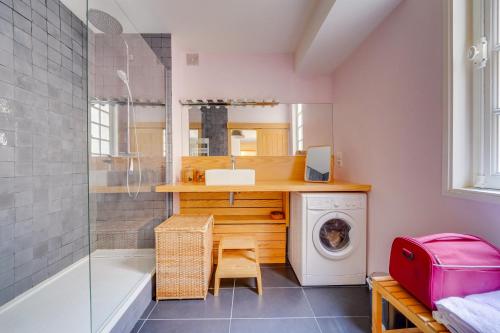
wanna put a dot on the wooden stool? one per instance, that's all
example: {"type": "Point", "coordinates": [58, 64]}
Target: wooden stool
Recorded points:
{"type": "Point", "coordinates": [238, 258]}
{"type": "Point", "coordinates": [389, 289]}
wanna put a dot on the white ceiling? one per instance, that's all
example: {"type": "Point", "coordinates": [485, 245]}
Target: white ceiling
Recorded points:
{"type": "Point", "coordinates": [339, 27]}
{"type": "Point", "coordinates": [321, 33]}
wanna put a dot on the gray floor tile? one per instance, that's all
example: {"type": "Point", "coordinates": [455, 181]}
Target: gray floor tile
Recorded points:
{"type": "Point", "coordinates": [339, 301]}
{"type": "Point", "coordinates": [137, 326]}
{"type": "Point", "coordinates": [185, 326]}
{"type": "Point", "coordinates": [212, 307]}
{"type": "Point", "coordinates": [345, 325]}
{"type": "Point", "coordinates": [295, 325]}
{"type": "Point", "coordinates": [286, 302]}
{"type": "Point", "coordinates": [148, 309]}
{"type": "Point", "coordinates": [272, 277]}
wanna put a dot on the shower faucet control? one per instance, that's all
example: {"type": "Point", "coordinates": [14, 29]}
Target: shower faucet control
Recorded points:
{"type": "Point", "coordinates": [233, 162]}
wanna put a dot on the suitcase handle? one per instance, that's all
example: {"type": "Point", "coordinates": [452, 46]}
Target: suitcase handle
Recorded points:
{"type": "Point", "coordinates": [448, 236]}
{"type": "Point", "coordinates": [408, 254]}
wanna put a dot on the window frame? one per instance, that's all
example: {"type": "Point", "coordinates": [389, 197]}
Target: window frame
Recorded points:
{"type": "Point", "coordinates": [461, 159]}
{"type": "Point", "coordinates": [298, 132]}
{"type": "Point", "coordinates": [486, 99]}
{"type": "Point", "coordinates": [99, 137]}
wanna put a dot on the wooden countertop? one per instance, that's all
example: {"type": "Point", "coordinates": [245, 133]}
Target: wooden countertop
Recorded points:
{"type": "Point", "coordinates": [268, 186]}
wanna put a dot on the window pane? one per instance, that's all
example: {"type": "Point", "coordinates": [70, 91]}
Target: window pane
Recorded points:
{"type": "Point", "coordinates": [496, 98]}
{"type": "Point", "coordinates": [497, 21]}
{"type": "Point", "coordinates": [299, 119]}
{"type": "Point", "coordinates": [104, 133]}
{"type": "Point", "coordinates": [94, 114]}
{"type": "Point", "coordinates": [94, 130]}
{"type": "Point", "coordinates": [104, 147]}
{"type": "Point", "coordinates": [95, 146]}
{"type": "Point", "coordinates": [105, 118]}
{"type": "Point", "coordinates": [193, 134]}
{"type": "Point", "coordinates": [104, 107]}
{"type": "Point", "coordinates": [497, 141]}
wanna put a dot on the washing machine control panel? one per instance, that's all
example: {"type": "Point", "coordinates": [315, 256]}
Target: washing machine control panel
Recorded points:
{"type": "Point", "coordinates": [334, 203]}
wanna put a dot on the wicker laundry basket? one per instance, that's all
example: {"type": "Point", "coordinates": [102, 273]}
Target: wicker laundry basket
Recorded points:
{"type": "Point", "coordinates": [184, 257]}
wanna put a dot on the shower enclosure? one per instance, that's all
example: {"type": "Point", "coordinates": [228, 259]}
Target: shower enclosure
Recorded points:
{"type": "Point", "coordinates": [128, 153]}
{"type": "Point", "coordinates": [84, 137]}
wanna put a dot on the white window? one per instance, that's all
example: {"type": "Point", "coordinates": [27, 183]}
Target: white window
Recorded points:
{"type": "Point", "coordinates": [298, 130]}
{"type": "Point", "coordinates": [471, 148]}
{"type": "Point", "coordinates": [485, 54]}
{"type": "Point", "coordinates": [100, 129]}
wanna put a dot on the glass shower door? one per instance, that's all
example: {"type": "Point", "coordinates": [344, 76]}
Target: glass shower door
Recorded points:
{"type": "Point", "coordinates": [128, 106]}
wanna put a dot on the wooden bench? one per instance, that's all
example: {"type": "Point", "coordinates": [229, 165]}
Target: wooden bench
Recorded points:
{"type": "Point", "coordinates": [385, 287]}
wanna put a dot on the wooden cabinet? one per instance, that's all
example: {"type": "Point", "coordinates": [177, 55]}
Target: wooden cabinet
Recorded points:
{"type": "Point", "coordinates": [249, 216]}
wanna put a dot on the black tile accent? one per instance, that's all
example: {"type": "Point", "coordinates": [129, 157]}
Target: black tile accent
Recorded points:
{"type": "Point", "coordinates": [214, 128]}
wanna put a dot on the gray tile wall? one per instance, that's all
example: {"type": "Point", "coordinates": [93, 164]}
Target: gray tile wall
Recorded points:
{"type": "Point", "coordinates": [214, 120]}
{"type": "Point", "coordinates": [43, 143]}
{"type": "Point", "coordinates": [150, 74]}
{"type": "Point", "coordinates": [161, 44]}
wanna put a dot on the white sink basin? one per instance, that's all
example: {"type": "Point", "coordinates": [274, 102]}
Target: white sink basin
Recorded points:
{"type": "Point", "coordinates": [214, 177]}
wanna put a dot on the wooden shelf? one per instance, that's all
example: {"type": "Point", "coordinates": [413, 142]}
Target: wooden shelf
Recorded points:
{"type": "Point", "coordinates": [268, 186]}
{"type": "Point", "coordinates": [246, 219]}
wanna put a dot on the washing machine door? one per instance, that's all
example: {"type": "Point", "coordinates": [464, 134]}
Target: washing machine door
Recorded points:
{"type": "Point", "coordinates": [335, 235]}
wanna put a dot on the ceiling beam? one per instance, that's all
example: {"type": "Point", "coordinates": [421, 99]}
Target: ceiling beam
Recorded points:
{"type": "Point", "coordinates": [335, 29]}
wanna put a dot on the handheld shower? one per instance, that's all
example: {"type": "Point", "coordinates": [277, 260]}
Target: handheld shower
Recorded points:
{"type": "Point", "coordinates": [130, 105]}
{"type": "Point", "coordinates": [123, 76]}
{"type": "Point", "coordinates": [111, 26]}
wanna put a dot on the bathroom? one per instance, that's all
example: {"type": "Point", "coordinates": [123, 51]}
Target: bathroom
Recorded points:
{"type": "Point", "coordinates": [118, 115]}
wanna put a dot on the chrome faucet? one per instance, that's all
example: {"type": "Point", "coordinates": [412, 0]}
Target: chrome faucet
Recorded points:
{"type": "Point", "coordinates": [233, 162]}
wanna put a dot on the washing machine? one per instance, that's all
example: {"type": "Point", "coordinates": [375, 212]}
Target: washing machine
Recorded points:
{"type": "Point", "coordinates": [327, 238]}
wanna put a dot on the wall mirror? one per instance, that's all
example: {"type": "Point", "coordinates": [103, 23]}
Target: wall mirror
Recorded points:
{"type": "Point", "coordinates": [318, 164]}
{"type": "Point", "coordinates": [279, 130]}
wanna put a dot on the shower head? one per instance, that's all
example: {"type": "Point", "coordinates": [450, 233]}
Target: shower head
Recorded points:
{"type": "Point", "coordinates": [104, 22]}
{"type": "Point", "coordinates": [122, 75]}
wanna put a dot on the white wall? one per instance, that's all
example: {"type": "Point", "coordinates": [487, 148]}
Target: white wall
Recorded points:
{"type": "Point", "coordinates": [276, 114]}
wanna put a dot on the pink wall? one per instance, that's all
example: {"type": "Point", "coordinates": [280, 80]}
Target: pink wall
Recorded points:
{"type": "Point", "coordinates": [239, 76]}
{"type": "Point", "coordinates": [250, 76]}
{"type": "Point", "coordinates": [388, 123]}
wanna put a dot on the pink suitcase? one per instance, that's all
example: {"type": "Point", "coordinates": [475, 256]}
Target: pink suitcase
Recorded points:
{"type": "Point", "coordinates": [442, 265]}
